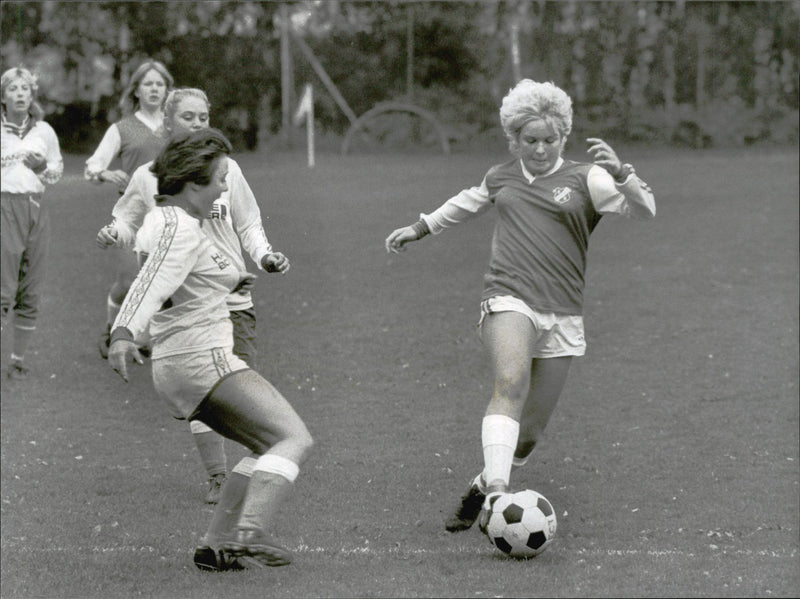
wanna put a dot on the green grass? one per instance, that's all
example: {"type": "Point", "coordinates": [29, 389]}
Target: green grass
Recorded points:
{"type": "Point", "coordinates": [671, 460]}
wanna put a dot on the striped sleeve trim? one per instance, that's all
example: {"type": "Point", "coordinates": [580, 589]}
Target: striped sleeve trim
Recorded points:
{"type": "Point", "coordinates": [146, 276]}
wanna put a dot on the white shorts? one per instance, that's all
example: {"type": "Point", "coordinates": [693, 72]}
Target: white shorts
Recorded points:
{"type": "Point", "coordinates": [184, 380]}
{"type": "Point", "coordinates": [556, 334]}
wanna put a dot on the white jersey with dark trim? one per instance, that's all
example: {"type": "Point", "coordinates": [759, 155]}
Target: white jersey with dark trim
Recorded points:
{"type": "Point", "coordinates": [234, 222]}
{"type": "Point", "coordinates": [185, 267]}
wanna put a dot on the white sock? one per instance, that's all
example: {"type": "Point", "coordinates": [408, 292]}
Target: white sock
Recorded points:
{"type": "Point", "coordinates": [499, 435]}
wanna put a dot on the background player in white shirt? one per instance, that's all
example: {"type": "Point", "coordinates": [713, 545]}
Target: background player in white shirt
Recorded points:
{"type": "Point", "coordinates": [532, 303]}
{"type": "Point", "coordinates": [31, 158]}
{"type": "Point", "coordinates": [194, 368]}
{"type": "Point", "coordinates": [135, 139]}
{"type": "Point", "coordinates": [235, 223]}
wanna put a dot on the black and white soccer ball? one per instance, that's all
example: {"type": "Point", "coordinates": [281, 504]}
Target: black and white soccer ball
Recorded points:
{"type": "Point", "coordinates": [521, 524]}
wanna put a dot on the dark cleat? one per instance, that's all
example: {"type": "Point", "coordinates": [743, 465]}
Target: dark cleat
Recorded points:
{"type": "Point", "coordinates": [255, 546]}
{"type": "Point", "coordinates": [209, 559]}
{"type": "Point", "coordinates": [467, 511]}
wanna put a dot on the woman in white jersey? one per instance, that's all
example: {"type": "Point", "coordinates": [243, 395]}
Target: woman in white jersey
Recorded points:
{"type": "Point", "coordinates": [180, 299]}
{"type": "Point", "coordinates": [234, 222]}
{"type": "Point", "coordinates": [133, 140]}
{"type": "Point", "coordinates": [531, 312]}
{"type": "Point", "coordinates": [31, 158]}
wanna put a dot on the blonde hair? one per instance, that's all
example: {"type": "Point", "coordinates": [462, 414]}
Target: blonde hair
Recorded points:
{"type": "Point", "coordinates": [531, 100]}
{"type": "Point", "coordinates": [36, 111]}
{"type": "Point", "coordinates": [176, 95]}
{"type": "Point", "coordinates": [129, 102]}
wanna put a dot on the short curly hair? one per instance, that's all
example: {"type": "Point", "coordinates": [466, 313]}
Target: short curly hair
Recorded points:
{"type": "Point", "coordinates": [531, 100]}
{"type": "Point", "coordinates": [14, 73]}
{"type": "Point", "coordinates": [189, 158]}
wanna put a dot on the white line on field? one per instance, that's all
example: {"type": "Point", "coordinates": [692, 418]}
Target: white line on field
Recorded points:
{"type": "Point", "coordinates": [388, 551]}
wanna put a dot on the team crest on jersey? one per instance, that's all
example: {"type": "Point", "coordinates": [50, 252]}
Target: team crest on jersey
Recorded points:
{"type": "Point", "coordinates": [562, 195]}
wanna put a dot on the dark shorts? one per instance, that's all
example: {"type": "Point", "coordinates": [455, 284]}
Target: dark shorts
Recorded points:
{"type": "Point", "coordinates": [244, 334]}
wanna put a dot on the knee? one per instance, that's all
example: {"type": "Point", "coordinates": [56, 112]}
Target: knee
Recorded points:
{"type": "Point", "coordinates": [305, 443]}
{"type": "Point", "coordinates": [511, 387]}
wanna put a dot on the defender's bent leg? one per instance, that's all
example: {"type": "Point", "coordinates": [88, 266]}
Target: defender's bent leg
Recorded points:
{"type": "Point", "coordinates": [245, 407]}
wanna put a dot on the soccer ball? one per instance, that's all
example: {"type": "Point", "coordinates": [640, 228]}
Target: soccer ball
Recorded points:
{"type": "Point", "coordinates": [521, 524]}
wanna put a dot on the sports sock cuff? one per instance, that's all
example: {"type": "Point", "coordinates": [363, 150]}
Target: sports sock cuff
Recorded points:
{"type": "Point", "coordinates": [275, 464]}
{"type": "Point", "coordinates": [497, 429]}
{"type": "Point", "coordinates": [198, 427]}
{"type": "Point", "coordinates": [245, 466]}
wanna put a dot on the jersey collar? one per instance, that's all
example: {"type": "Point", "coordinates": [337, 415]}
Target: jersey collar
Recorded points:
{"type": "Point", "coordinates": [530, 177]}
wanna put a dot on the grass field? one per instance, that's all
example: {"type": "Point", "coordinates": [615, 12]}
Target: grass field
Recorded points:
{"type": "Point", "coordinates": [672, 459]}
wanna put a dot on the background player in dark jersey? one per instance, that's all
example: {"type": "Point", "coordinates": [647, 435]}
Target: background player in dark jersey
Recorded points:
{"type": "Point", "coordinates": [133, 140]}
{"type": "Point", "coordinates": [532, 303]}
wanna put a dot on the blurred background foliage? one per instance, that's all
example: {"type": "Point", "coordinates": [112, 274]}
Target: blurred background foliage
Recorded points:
{"type": "Point", "coordinates": [682, 72]}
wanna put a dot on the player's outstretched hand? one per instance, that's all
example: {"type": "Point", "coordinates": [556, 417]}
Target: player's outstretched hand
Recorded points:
{"type": "Point", "coordinates": [604, 155]}
{"type": "Point", "coordinates": [120, 353]}
{"type": "Point", "coordinates": [106, 236]}
{"type": "Point", "coordinates": [397, 240]}
{"type": "Point", "coordinates": [275, 262]}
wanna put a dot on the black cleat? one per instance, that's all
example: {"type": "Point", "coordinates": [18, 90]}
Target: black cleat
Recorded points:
{"type": "Point", "coordinates": [255, 546]}
{"type": "Point", "coordinates": [209, 559]}
{"type": "Point", "coordinates": [467, 511]}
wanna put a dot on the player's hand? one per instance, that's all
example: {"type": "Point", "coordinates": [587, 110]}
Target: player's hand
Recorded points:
{"type": "Point", "coordinates": [275, 262]}
{"type": "Point", "coordinates": [119, 178]}
{"type": "Point", "coordinates": [34, 160]}
{"type": "Point", "coordinates": [397, 240]}
{"type": "Point", "coordinates": [120, 353]}
{"type": "Point", "coordinates": [106, 236]}
{"type": "Point", "coordinates": [245, 284]}
{"type": "Point", "coordinates": [604, 155]}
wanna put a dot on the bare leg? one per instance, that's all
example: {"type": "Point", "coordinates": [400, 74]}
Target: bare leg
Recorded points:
{"type": "Point", "coordinates": [548, 376]}
{"type": "Point", "coordinates": [245, 407]}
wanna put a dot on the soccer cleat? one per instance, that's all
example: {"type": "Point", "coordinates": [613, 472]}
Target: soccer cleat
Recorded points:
{"type": "Point", "coordinates": [467, 511]}
{"type": "Point", "coordinates": [209, 559]}
{"type": "Point", "coordinates": [17, 372]}
{"type": "Point", "coordinates": [255, 546]}
{"type": "Point", "coordinates": [215, 488]}
{"type": "Point", "coordinates": [104, 341]}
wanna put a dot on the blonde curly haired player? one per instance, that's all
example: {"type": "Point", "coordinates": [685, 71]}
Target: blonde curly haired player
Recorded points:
{"type": "Point", "coordinates": [31, 158]}
{"type": "Point", "coordinates": [531, 319]}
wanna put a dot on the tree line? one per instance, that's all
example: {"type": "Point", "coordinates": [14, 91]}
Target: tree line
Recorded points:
{"type": "Point", "coordinates": [685, 72]}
